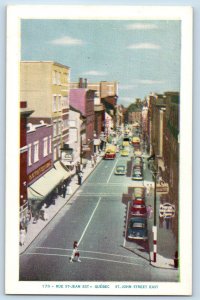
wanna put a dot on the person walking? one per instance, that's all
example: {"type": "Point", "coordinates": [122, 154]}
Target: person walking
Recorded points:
{"type": "Point", "coordinates": [75, 253]}
{"type": "Point", "coordinates": [22, 236]}
{"type": "Point", "coordinates": [92, 161]}
{"type": "Point", "coordinates": [69, 189]}
{"type": "Point", "coordinates": [64, 189]}
{"type": "Point", "coordinates": [80, 175]}
{"type": "Point", "coordinates": [95, 159]}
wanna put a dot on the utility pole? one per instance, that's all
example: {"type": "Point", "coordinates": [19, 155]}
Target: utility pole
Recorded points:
{"type": "Point", "coordinates": [155, 173]}
{"type": "Point", "coordinates": [81, 149]}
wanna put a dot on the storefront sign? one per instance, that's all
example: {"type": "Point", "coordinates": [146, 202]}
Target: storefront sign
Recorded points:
{"type": "Point", "coordinates": [39, 171]}
{"type": "Point", "coordinates": [167, 210]}
{"type": "Point", "coordinates": [67, 157]}
{"type": "Point", "coordinates": [162, 188]}
{"type": "Point", "coordinates": [86, 148]}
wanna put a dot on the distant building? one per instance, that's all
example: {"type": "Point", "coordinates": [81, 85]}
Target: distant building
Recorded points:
{"type": "Point", "coordinates": [82, 99]}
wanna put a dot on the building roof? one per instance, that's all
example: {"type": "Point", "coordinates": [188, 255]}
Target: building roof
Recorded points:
{"type": "Point", "coordinates": [45, 61]}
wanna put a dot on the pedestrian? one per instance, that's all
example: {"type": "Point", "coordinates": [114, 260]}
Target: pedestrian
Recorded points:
{"type": "Point", "coordinates": [78, 167]}
{"type": "Point", "coordinates": [92, 161]}
{"type": "Point", "coordinates": [64, 189]}
{"type": "Point", "coordinates": [44, 211]}
{"type": "Point", "coordinates": [149, 211]}
{"type": "Point", "coordinates": [22, 236]}
{"type": "Point", "coordinates": [80, 175]}
{"type": "Point", "coordinates": [95, 159]}
{"type": "Point", "coordinates": [69, 190]}
{"type": "Point", "coordinates": [148, 190]}
{"type": "Point", "coordinates": [75, 253]}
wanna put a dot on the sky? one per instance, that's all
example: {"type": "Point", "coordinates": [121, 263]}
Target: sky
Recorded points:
{"type": "Point", "coordinates": [143, 56]}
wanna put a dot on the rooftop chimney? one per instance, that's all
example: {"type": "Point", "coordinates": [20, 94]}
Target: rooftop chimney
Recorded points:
{"type": "Point", "coordinates": [80, 82]}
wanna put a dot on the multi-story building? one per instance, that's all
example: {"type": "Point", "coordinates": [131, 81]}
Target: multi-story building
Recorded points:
{"type": "Point", "coordinates": [171, 152]}
{"type": "Point", "coordinates": [82, 99]}
{"type": "Point", "coordinates": [43, 176]}
{"type": "Point", "coordinates": [24, 115]}
{"type": "Point", "coordinates": [163, 117]}
{"type": "Point", "coordinates": [71, 155]}
{"type": "Point", "coordinates": [106, 95]}
{"type": "Point", "coordinates": [45, 86]}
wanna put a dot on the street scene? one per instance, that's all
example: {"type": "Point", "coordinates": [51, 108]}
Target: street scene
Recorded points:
{"type": "Point", "coordinates": [99, 151]}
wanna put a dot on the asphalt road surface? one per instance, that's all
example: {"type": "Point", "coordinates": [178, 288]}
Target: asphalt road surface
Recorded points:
{"type": "Point", "coordinates": [95, 217]}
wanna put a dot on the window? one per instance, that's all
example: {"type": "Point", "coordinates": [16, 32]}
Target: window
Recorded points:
{"type": "Point", "coordinates": [59, 103]}
{"type": "Point", "coordinates": [65, 102]}
{"type": "Point", "coordinates": [54, 129]}
{"type": "Point", "coordinates": [54, 77]}
{"type": "Point", "coordinates": [45, 146]}
{"type": "Point", "coordinates": [65, 123]}
{"type": "Point", "coordinates": [54, 106]}
{"type": "Point", "coordinates": [58, 78]}
{"type": "Point", "coordinates": [50, 142]}
{"type": "Point", "coordinates": [59, 127]}
{"type": "Point", "coordinates": [59, 151]}
{"type": "Point", "coordinates": [29, 155]}
{"type": "Point", "coordinates": [36, 151]}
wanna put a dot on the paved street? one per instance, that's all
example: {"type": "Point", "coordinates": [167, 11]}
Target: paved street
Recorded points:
{"type": "Point", "coordinates": [95, 217]}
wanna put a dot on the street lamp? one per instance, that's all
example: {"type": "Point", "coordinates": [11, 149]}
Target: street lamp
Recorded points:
{"type": "Point", "coordinates": [155, 174]}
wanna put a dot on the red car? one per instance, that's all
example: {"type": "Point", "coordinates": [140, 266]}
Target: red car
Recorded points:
{"type": "Point", "coordinates": [138, 208]}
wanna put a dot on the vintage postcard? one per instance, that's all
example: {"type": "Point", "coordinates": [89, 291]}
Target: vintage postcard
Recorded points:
{"type": "Point", "coordinates": [99, 150]}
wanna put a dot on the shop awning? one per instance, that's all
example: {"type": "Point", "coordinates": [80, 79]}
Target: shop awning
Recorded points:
{"type": "Point", "coordinates": [63, 173]}
{"type": "Point", "coordinates": [42, 187]}
{"type": "Point", "coordinates": [47, 183]}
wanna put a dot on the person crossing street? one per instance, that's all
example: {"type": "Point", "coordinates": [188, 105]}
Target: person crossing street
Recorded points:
{"type": "Point", "coordinates": [75, 253]}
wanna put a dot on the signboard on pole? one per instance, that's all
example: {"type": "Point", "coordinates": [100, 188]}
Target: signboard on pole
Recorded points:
{"type": "Point", "coordinates": [167, 210]}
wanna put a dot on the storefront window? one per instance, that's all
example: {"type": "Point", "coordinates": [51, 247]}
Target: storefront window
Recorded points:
{"type": "Point", "coordinates": [45, 146]}
{"type": "Point", "coordinates": [36, 151]}
{"type": "Point", "coordinates": [29, 155]}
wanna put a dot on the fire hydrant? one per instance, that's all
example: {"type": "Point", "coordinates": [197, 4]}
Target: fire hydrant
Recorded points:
{"type": "Point", "coordinates": [176, 260]}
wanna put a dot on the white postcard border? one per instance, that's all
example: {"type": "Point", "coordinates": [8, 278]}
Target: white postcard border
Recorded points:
{"type": "Point", "coordinates": [15, 14]}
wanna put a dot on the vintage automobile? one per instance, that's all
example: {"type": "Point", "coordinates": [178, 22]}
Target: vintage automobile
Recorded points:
{"type": "Point", "coordinates": [120, 170]}
{"type": "Point", "coordinates": [137, 228]}
{"type": "Point", "coordinates": [124, 152]}
{"type": "Point", "coordinates": [138, 208]}
{"type": "Point", "coordinates": [139, 192]}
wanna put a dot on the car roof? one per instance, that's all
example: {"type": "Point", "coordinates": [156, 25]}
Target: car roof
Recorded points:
{"type": "Point", "coordinates": [137, 219]}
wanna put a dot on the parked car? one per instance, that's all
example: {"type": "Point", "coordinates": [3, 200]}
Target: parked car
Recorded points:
{"type": "Point", "coordinates": [138, 208]}
{"type": "Point", "coordinates": [138, 192]}
{"type": "Point", "coordinates": [137, 228]}
{"type": "Point", "coordinates": [120, 170]}
{"type": "Point", "coordinates": [137, 174]}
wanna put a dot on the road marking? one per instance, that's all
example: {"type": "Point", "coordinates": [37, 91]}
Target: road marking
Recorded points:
{"type": "Point", "coordinates": [126, 223]}
{"type": "Point", "coordinates": [111, 183]}
{"type": "Point", "coordinates": [112, 170]}
{"type": "Point", "coordinates": [96, 252]}
{"type": "Point", "coordinates": [89, 221]}
{"type": "Point", "coordinates": [91, 258]}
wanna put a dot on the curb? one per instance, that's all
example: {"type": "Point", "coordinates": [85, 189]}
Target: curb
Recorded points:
{"type": "Point", "coordinates": [20, 253]}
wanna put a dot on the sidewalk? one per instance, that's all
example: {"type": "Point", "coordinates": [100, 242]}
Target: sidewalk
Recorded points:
{"type": "Point", "coordinates": [166, 243]}
{"type": "Point", "coordinates": [34, 229]}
